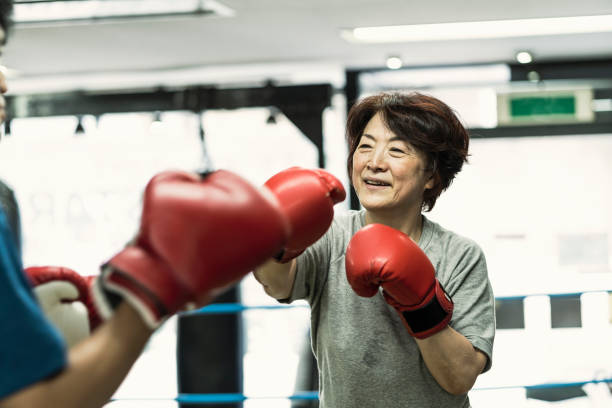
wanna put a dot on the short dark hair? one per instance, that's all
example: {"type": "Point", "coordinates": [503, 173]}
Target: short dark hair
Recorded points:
{"type": "Point", "coordinates": [6, 20]}
{"type": "Point", "coordinates": [425, 122]}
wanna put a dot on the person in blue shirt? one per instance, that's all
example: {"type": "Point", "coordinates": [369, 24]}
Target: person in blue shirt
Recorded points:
{"type": "Point", "coordinates": [162, 271]}
{"type": "Point", "coordinates": [36, 369]}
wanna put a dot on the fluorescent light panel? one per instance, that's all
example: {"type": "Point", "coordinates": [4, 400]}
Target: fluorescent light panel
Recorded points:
{"type": "Point", "coordinates": [51, 11]}
{"type": "Point", "coordinates": [480, 29]}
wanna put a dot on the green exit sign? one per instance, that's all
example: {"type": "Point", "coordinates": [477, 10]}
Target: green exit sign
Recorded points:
{"type": "Point", "coordinates": [545, 107]}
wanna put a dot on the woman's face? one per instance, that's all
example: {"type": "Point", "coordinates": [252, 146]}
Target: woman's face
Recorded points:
{"type": "Point", "coordinates": [388, 173]}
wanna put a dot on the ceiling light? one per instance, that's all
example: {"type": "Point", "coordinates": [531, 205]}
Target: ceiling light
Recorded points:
{"type": "Point", "coordinates": [523, 57]}
{"type": "Point", "coordinates": [480, 29]}
{"type": "Point", "coordinates": [88, 10]}
{"type": "Point", "coordinates": [394, 63]}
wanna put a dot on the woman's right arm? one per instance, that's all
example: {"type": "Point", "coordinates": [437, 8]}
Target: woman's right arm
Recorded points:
{"type": "Point", "coordinates": [277, 278]}
{"type": "Point", "coordinates": [307, 198]}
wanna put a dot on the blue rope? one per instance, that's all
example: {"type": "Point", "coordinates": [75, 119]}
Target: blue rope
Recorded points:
{"type": "Point", "coordinates": [568, 384]}
{"type": "Point", "coordinates": [305, 395]}
{"type": "Point", "coordinates": [210, 398]}
{"type": "Point", "coordinates": [228, 308]}
{"type": "Point", "coordinates": [230, 398]}
{"type": "Point", "coordinates": [547, 385]}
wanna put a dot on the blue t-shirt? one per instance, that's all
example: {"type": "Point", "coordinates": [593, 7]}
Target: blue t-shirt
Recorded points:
{"type": "Point", "coordinates": [31, 349]}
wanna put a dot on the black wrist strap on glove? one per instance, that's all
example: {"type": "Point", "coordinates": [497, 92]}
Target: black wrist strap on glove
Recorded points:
{"type": "Point", "coordinates": [427, 317]}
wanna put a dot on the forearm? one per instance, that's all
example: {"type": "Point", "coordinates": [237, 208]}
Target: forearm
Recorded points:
{"type": "Point", "coordinates": [96, 367]}
{"type": "Point", "coordinates": [276, 278]}
{"type": "Point", "coordinates": [452, 360]}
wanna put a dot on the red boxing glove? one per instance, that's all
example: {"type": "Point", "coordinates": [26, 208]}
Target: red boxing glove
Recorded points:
{"type": "Point", "coordinates": [198, 235]}
{"type": "Point", "coordinates": [65, 299]}
{"type": "Point", "coordinates": [307, 198]}
{"type": "Point", "coordinates": [379, 255]}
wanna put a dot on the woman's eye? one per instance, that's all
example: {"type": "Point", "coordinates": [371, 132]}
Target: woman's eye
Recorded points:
{"type": "Point", "coordinates": [364, 146]}
{"type": "Point", "coordinates": [396, 150]}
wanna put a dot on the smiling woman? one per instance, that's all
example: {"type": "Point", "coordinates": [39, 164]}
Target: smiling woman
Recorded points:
{"type": "Point", "coordinates": [402, 309]}
{"type": "Point", "coordinates": [419, 126]}
{"type": "Point", "coordinates": [388, 173]}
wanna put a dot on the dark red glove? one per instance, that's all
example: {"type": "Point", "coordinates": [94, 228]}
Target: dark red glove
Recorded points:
{"type": "Point", "coordinates": [379, 255]}
{"type": "Point", "coordinates": [307, 198]}
{"type": "Point", "coordinates": [198, 235]}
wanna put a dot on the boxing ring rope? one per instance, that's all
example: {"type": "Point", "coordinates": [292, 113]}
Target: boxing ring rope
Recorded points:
{"type": "Point", "coordinates": [229, 308]}
{"type": "Point", "coordinates": [232, 398]}
{"type": "Point", "coordinates": [228, 398]}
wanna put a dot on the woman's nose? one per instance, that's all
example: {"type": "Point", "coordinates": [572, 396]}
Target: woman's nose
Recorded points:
{"type": "Point", "coordinates": [376, 161]}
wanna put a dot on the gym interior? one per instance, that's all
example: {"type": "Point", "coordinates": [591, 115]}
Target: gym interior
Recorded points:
{"type": "Point", "coordinates": [102, 95]}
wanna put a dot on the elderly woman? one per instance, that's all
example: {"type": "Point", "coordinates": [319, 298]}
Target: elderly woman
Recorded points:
{"type": "Point", "coordinates": [402, 309]}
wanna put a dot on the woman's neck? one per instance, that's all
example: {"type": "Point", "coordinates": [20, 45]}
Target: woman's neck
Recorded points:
{"type": "Point", "coordinates": [410, 223]}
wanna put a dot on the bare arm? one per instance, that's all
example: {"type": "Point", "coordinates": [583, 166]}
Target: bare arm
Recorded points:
{"type": "Point", "coordinates": [452, 360]}
{"type": "Point", "coordinates": [307, 198]}
{"type": "Point", "coordinates": [277, 278]}
{"type": "Point", "coordinates": [96, 367]}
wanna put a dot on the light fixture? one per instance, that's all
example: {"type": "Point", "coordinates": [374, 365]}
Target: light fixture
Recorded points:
{"type": "Point", "coordinates": [156, 123]}
{"type": "Point", "coordinates": [80, 130]}
{"type": "Point", "coordinates": [272, 117]}
{"type": "Point", "coordinates": [7, 127]}
{"type": "Point", "coordinates": [474, 30]}
{"type": "Point", "coordinates": [28, 12]}
{"type": "Point", "coordinates": [533, 76]}
{"type": "Point", "coordinates": [523, 57]}
{"type": "Point", "coordinates": [394, 62]}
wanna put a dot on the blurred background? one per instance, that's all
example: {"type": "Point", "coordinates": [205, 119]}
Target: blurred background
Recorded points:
{"type": "Point", "coordinates": [104, 94]}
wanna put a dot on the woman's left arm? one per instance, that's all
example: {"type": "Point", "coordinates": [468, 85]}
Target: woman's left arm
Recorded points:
{"type": "Point", "coordinates": [452, 360]}
{"type": "Point", "coordinates": [438, 318]}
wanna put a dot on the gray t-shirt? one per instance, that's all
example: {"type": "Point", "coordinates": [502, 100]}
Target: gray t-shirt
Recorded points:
{"type": "Point", "coordinates": [365, 356]}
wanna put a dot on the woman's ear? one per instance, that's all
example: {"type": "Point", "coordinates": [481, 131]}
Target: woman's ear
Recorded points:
{"type": "Point", "coordinates": [431, 183]}
{"type": "Point", "coordinates": [434, 177]}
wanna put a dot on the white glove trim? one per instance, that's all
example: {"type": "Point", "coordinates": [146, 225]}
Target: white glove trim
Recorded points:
{"type": "Point", "coordinates": [105, 309]}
